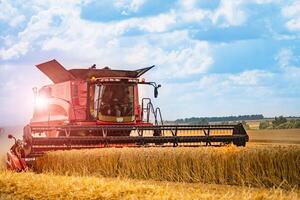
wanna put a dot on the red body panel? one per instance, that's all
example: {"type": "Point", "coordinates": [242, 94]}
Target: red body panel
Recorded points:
{"type": "Point", "coordinates": [67, 98]}
{"type": "Point", "coordinates": [15, 163]}
{"type": "Point", "coordinates": [67, 103]}
{"type": "Point", "coordinates": [55, 71]}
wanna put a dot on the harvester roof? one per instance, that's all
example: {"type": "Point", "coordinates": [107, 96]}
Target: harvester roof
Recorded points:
{"type": "Point", "coordinates": [57, 73]}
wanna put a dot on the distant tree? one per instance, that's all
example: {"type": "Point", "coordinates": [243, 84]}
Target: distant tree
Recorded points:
{"type": "Point", "coordinates": [283, 126]}
{"type": "Point", "coordinates": [203, 121]}
{"type": "Point", "coordinates": [179, 121]}
{"type": "Point", "coordinates": [263, 125]}
{"type": "Point", "coordinates": [278, 121]}
{"type": "Point", "coordinates": [296, 124]}
{"type": "Point", "coordinates": [246, 126]}
{"type": "Point", "coordinates": [290, 123]}
{"type": "Point", "coordinates": [197, 120]}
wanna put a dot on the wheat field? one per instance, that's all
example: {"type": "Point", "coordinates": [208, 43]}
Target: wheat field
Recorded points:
{"type": "Point", "coordinates": [251, 166]}
{"type": "Point", "coordinates": [20, 186]}
{"type": "Point", "coordinates": [287, 136]}
{"type": "Point", "coordinates": [254, 172]}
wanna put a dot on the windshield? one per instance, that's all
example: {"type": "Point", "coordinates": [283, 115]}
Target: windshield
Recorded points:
{"type": "Point", "coordinates": [114, 100]}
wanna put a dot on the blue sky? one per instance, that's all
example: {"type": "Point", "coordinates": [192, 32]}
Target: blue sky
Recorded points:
{"type": "Point", "coordinates": [213, 58]}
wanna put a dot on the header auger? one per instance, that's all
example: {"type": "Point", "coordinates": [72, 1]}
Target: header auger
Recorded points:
{"type": "Point", "coordinates": [94, 108]}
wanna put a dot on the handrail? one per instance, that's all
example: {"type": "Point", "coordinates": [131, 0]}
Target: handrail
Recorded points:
{"type": "Point", "coordinates": [143, 108]}
{"type": "Point", "coordinates": [158, 111]}
{"type": "Point", "coordinates": [150, 109]}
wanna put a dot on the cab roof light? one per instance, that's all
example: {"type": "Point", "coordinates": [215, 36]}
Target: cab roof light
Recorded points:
{"type": "Point", "coordinates": [117, 80]}
{"type": "Point", "coordinates": [93, 79]}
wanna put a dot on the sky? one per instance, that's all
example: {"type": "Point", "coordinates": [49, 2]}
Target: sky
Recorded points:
{"type": "Point", "coordinates": [212, 57]}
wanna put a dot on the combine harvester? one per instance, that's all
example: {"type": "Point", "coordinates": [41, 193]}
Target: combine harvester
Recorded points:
{"type": "Point", "coordinates": [94, 108]}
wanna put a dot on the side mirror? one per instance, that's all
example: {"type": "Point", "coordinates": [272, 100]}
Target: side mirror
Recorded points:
{"type": "Point", "coordinates": [156, 91]}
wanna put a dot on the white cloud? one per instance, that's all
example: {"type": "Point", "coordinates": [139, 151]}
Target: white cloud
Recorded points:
{"type": "Point", "coordinates": [160, 23]}
{"type": "Point", "coordinates": [15, 50]}
{"type": "Point", "coordinates": [191, 60]}
{"type": "Point", "coordinates": [208, 81]}
{"type": "Point", "coordinates": [128, 6]}
{"type": "Point", "coordinates": [194, 15]}
{"type": "Point", "coordinates": [184, 62]}
{"type": "Point", "coordinates": [187, 4]}
{"type": "Point", "coordinates": [9, 14]}
{"type": "Point", "coordinates": [266, 1]}
{"type": "Point", "coordinates": [254, 83]}
{"type": "Point", "coordinates": [175, 53]}
{"type": "Point", "coordinates": [249, 78]}
{"type": "Point", "coordinates": [221, 94]}
{"type": "Point", "coordinates": [39, 27]}
{"type": "Point", "coordinates": [292, 9]}
{"type": "Point", "coordinates": [229, 13]}
{"type": "Point", "coordinates": [70, 36]}
{"type": "Point", "coordinates": [284, 58]}
{"type": "Point", "coordinates": [227, 82]}
{"type": "Point", "coordinates": [43, 32]}
{"type": "Point", "coordinates": [292, 14]}
{"type": "Point", "coordinates": [294, 24]}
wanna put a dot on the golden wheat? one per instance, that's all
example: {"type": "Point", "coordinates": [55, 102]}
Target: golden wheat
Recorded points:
{"type": "Point", "coordinates": [288, 136]}
{"type": "Point", "coordinates": [2, 162]}
{"type": "Point", "coordinates": [46, 186]}
{"type": "Point", "coordinates": [251, 166]}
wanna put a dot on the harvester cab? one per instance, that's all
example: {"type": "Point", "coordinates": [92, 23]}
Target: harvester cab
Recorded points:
{"type": "Point", "coordinates": [90, 96]}
{"type": "Point", "coordinates": [94, 108]}
{"type": "Point", "coordinates": [115, 100]}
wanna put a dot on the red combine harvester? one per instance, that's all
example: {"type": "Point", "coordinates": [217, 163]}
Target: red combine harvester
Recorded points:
{"type": "Point", "coordinates": [92, 108]}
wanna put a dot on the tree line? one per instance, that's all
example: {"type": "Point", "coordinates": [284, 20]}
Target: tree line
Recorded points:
{"type": "Point", "coordinates": [280, 123]}
{"type": "Point", "coordinates": [206, 120]}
